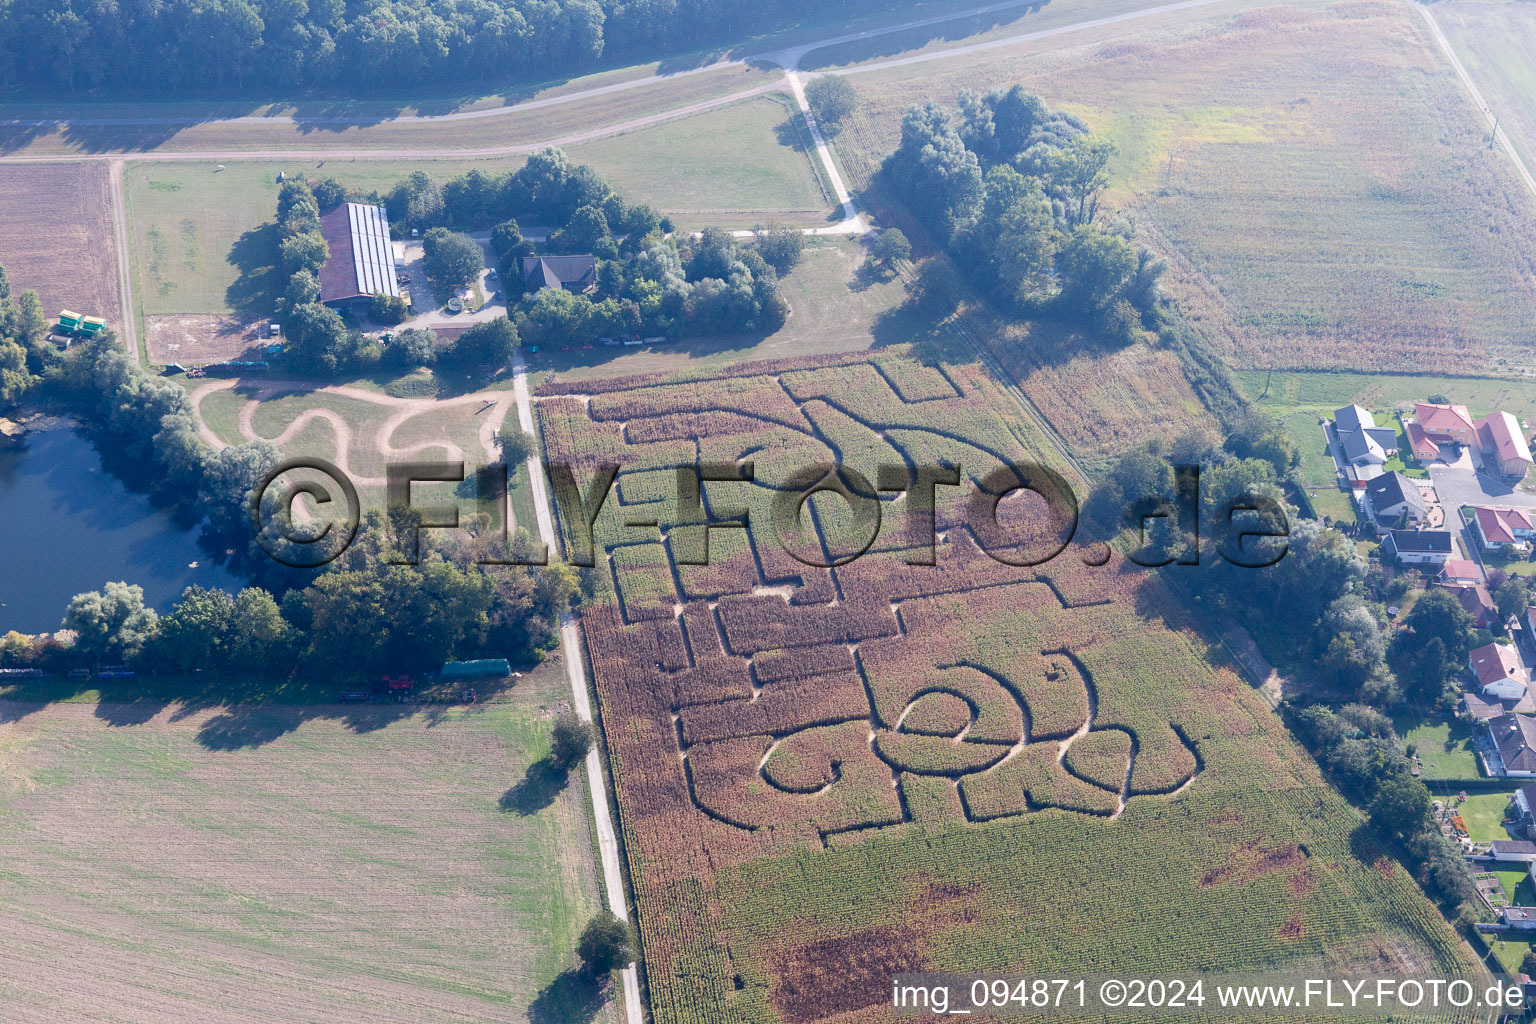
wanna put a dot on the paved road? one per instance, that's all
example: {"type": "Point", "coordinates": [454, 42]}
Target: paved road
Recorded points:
{"type": "Point", "coordinates": [570, 647]}
{"type": "Point", "coordinates": [1458, 486]}
{"type": "Point", "coordinates": [1477, 97]}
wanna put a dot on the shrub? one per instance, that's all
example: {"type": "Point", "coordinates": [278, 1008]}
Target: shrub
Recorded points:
{"type": "Point", "coordinates": [387, 309]}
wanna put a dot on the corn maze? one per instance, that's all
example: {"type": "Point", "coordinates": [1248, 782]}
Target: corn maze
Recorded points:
{"type": "Point", "coordinates": [832, 769]}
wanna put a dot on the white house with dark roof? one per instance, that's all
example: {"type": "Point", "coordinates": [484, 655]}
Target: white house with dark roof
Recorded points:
{"type": "Point", "coordinates": [1392, 500]}
{"type": "Point", "coordinates": [1514, 745]}
{"type": "Point", "coordinates": [1364, 443]}
{"type": "Point", "coordinates": [1418, 547]}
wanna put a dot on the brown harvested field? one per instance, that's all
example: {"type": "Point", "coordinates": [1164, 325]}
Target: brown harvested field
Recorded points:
{"type": "Point", "coordinates": [1317, 178]}
{"type": "Point", "coordinates": [56, 236]}
{"type": "Point", "coordinates": [193, 339]}
{"type": "Point", "coordinates": [304, 864]}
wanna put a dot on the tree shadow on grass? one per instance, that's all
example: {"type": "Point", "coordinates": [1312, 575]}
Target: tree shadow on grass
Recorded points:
{"type": "Point", "coordinates": [573, 998]}
{"type": "Point", "coordinates": [537, 790]}
{"type": "Point", "coordinates": [254, 293]}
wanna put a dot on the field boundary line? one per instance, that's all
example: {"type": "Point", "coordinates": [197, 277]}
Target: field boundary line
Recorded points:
{"type": "Point", "coordinates": [570, 647]}
{"type": "Point", "coordinates": [130, 331]}
{"type": "Point", "coordinates": [1482, 105]}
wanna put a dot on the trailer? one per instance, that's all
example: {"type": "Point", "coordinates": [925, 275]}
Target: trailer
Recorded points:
{"type": "Point", "coordinates": [90, 326]}
{"type": "Point", "coordinates": [485, 668]}
{"type": "Point", "coordinates": [69, 321]}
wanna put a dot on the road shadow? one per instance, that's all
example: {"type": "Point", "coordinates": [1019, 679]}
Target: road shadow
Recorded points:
{"type": "Point", "coordinates": [537, 789]}
{"type": "Point", "coordinates": [573, 998]}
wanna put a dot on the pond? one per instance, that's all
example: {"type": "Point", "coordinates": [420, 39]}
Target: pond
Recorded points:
{"type": "Point", "coordinates": [67, 525]}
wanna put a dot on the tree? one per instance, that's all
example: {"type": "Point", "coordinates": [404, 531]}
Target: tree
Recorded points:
{"type": "Point", "coordinates": [586, 231]}
{"type": "Point", "coordinates": [387, 309]}
{"type": "Point", "coordinates": [486, 344]}
{"type": "Point", "coordinates": [417, 201]}
{"type": "Point", "coordinates": [889, 248]}
{"type": "Point", "coordinates": [505, 238]}
{"type": "Point", "coordinates": [452, 259]}
{"type": "Point", "coordinates": [259, 637]}
{"type": "Point", "coordinates": [194, 633]}
{"type": "Point", "coordinates": [15, 381]}
{"type": "Point", "coordinates": [515, 446]}
{"type": "Point", "coordinates": [570, 740]}
{"type": "Point", "coordinates": [781, 246]}
{"type": "Point", "coordinates": [1400, 807]}
{"type": "Point", "coordinates": [414, 346]}
{"type": "Point", "coordinates": [1094, 264]}
{"type": "Point", "coordinates": [936, 286]}
{"type": "Point", "coordinates": [832, 99]}
{"type": "Point", "coordinates": [111, 623]}
{"type": "Point", "coordinates": [606, 944]}
{"type": "Point", "coordinates": [304, 251]}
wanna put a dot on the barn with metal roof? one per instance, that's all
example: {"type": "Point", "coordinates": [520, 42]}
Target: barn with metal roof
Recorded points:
{"type": "Point", "coordinates": [361, 264]}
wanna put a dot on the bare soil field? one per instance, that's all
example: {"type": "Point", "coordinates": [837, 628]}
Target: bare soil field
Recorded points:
{"type": "Point", "coordinates": [56, 236]}
{"type": "Point", "coordinates": [1315, 174]}
{"type": "Point", "coordinates": [305, 864]}
{"type": "Point", "coordinates": [193, 340]}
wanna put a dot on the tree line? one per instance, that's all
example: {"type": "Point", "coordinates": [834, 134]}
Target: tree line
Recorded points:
{"type": "Point", "coordinates": [1012, 190]}
{"type": "Point", "coordinates": [201, 48]}
{"type": "Point", "coordinates": [368, 612]}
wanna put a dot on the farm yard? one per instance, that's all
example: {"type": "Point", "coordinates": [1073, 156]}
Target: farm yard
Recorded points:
{"type": "Point", "coordinates": [304, 862]}
{"type": "Point", "coordinates": [1313, 174]}
{"type": "Point", "coordinates": [841, 765]}
{"type": "Point", "coordinates": [56, 236]}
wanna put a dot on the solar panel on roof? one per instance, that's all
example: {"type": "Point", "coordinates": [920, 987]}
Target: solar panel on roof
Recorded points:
{"type": "Point", "coordinates": [372, 263]}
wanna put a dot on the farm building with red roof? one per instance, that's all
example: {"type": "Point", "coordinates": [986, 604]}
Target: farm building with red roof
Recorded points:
{"type": "Point", "coordinates": [1503, 444]}
{"type": "Point", "coordinates": [362, 263]}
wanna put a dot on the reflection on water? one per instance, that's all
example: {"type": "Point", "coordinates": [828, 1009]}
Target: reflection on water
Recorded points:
{"type": "Point", "coordinates": [67, 525]}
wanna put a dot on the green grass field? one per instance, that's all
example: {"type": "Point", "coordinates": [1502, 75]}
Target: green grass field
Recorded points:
{"type": "Point", "coordinates": [1483, 813]}
{"type": "Point", "coordinates": [1444, 747]}
{"type": "Point", "coordinates": [260, 862]}
{"type": "Point", "coordinates": [205, 241]}
{"type": "Point", "coordinates": [833, 310]}
{"type": "Point", "coordinates": [736, 166]}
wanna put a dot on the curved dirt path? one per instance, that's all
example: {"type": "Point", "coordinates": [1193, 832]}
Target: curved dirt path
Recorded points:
{"type": "Point", "coordinates": [496, 405]}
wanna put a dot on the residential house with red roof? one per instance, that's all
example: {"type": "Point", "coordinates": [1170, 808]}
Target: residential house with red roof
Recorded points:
{"type": "Point", "coordinates": [1446, 424]}
{"type": "Point", "coordinates": [1498, 671]}
{"type": "Point", "coordinates": [1502, 529]}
